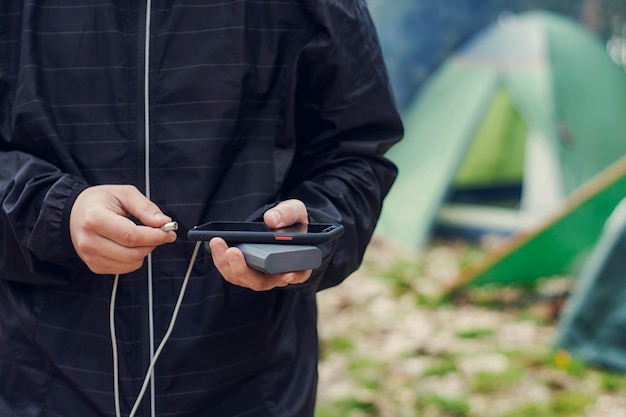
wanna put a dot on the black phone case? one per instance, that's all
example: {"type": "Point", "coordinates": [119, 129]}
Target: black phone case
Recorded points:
{"type": "Point", "coordinates": [204, 233]}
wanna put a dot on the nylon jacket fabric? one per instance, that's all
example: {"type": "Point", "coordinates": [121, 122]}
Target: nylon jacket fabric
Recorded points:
{"type": "Point", "coordinates": [249, 102]}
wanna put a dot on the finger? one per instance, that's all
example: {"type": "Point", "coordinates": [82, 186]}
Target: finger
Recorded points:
{"type": "Point", "coordinates": [104, 256]}
{"type": "Point", "coordinates": [237, 272]}
{"type": "Point", "coordinates": [133, 202]}
{"type": "Point", "coordinates": [127, 234]}
{"type": "Point", "coordinates": [104, 211]}
{"type": "Point", "coordinates": [269, 281]}
{"type": "Point", "coordinates": [231, 263]}
{"type": "Point", "coordinates": [296, 277]}
{"type": "Point", "coordinates": [218, 251]}
{"type": "Point", "coordinates": [286, 213]}
{"type": "Point", "coordinates": [113, 267]}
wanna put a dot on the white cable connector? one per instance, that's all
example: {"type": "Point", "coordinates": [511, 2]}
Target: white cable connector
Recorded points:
{"type": "Point", "coordinates": [168, 227]}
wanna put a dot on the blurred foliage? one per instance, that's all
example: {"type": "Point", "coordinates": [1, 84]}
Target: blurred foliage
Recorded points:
{"type": "Point", "coordinates": [483, 355]}
{"type": "Point", "coordinates": [417, 35]}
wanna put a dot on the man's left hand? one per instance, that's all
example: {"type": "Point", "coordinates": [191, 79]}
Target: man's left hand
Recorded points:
{"type": "Point", "coordinates": [232, 264]}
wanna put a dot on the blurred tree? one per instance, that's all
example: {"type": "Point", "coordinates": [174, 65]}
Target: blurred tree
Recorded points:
{"type": "Point", "coordinates": [417, 35]}
{"type": "Point", "coordinates": [614, 27]}
{"type": "Point", "coordinates": [605, 17]}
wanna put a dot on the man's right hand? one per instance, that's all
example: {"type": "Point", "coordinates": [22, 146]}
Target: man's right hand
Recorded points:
{"type": "Point", "coordinates": [103, 235]}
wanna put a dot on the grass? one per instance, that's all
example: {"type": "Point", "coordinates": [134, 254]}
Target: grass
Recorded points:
{"type": "Point", "coordinates": [392, 346]}
{"type": "Point", "coordinates": [440, 367]}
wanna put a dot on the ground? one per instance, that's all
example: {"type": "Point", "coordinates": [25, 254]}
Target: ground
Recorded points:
{"type": "Point", "coordinates": [393, 347]}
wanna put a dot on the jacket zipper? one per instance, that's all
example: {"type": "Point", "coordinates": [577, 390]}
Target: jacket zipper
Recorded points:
{"type": "Point", "coordinates": [146, 100]}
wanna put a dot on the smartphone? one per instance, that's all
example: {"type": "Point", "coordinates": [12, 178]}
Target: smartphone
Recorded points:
{"type": "Point", "coordinates": [258, 232]}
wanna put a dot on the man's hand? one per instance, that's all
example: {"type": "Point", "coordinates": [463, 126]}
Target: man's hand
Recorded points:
{"type": "Point", "coordinates": [103, 235]}
{"type": "Point", "coordinates": [232, 264]}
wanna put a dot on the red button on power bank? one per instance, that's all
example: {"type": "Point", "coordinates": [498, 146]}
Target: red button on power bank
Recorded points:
{"type": "Point", "coordinates": [283, 237]}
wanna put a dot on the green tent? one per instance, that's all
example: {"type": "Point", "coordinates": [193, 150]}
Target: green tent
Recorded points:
{"type": "Point", "coordinates": [559, 244]}
{"type": "Point", "coordinates": [592, 323]}
{"type": "Point", "coordinates": [532, 100]}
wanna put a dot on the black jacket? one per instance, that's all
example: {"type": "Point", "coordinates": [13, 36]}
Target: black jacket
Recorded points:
{"type": "Point", "coordinates": [246, 102]}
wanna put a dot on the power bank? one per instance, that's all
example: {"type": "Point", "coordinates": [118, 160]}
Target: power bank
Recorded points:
{"type": "Point", "coordinates": [275, 258]}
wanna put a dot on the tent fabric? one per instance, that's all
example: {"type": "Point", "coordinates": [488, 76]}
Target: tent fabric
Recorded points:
{"type": "Point", "coordinates": [593, 323]}
{"type": "Point", "coordinates": [556, 76]}
{"type": "Point", "coordinates": [496, 155]}
{"type": "Point", "coordinates": [568, 236]}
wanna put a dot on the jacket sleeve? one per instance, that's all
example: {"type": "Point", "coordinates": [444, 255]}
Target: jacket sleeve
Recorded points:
{"type": "Point", "coordinates": [36, 187]}
{"type": "Point", "coordinates": [345, 120]}
{"type": "Point", "coordinates": [35, 197]}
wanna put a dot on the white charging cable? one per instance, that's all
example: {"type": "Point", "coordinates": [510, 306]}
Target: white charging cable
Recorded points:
{"type": "Point", "coordinates": [146, 381]}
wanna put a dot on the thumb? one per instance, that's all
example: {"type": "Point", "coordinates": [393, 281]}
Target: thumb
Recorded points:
{"type": "Point", "coordinates": [136, 204]}
{"type": "Point", "coordinates": [286, 213]}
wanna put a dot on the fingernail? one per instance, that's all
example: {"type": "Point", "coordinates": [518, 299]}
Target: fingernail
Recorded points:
{"type": "Point", "coordinates": [288, 278]}
{"type": "Point", "coordinates": [276, 217]}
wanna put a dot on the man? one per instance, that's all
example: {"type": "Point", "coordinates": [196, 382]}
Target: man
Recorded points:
{"type": "Point", "coordinates": [118, 117]}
